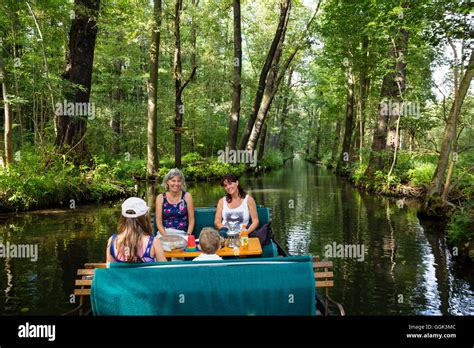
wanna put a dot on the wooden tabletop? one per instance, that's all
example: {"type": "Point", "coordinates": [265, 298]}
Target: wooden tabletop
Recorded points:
{"type": "Point", "coordinates": [254, 248]}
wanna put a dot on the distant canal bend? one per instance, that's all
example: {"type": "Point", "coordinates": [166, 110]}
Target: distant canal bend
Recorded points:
{"type": "Point", "coordinates": [398, 267]}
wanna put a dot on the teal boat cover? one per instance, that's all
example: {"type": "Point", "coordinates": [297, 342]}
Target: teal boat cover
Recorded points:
{"type": "Point", "coordinates": [264, 286]}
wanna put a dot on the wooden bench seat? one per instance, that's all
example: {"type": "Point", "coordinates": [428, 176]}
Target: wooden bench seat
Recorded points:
{"type": "Point", "coordinates": [324, 277]}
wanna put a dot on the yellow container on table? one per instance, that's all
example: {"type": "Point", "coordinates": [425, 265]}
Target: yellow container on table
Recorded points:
{"type": "Point", "coordinates": [244, 237]}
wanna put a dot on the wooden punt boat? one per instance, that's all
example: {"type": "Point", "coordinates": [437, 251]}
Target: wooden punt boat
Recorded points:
{"type": "Point", "coordinates": [274, 283]}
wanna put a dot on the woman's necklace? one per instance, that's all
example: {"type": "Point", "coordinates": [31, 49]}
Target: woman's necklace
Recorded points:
{"type": "Point", "coordinates": [173, 199]}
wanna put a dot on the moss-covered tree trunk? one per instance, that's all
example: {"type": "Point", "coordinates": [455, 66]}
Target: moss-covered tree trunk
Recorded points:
{"type": "Point", "coordinates": [393, 86]}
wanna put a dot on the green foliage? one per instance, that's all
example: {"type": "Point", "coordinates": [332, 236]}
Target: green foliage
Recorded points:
{"type": "Point", "coordinates": [209, 169]}
{"type": "Point", "coordinates": [38, 181]}
{"type": "Point", "coordinates": [403, 165]}
{"type": "Point", "coordinates": [272, 159]}
{"type": "Point", "coordinates": [461, 226]}
{"type": "Point", "coordinates": [191, 157]}
{"type": "Point", "coordinates": [421, 174]}
{"type": "Point", "coordinates": [383, 183]}
{"type": "Point", "coordinates": [358, 173]}
{"type": "Point", "coordinates": [126, 170]}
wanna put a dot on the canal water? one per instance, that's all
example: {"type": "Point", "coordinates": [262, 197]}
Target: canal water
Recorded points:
{"type": "Point", "coordinates": [396, 265]}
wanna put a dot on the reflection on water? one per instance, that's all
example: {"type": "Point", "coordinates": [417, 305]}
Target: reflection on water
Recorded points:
{"type": "Point", "coordinates": [406, 268]}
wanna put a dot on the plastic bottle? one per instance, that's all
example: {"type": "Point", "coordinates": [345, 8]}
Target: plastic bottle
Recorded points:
{"type": "Point", "coordinates": [244, 237]}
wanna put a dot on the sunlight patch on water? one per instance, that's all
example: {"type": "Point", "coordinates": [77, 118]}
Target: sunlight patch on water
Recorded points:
{"type": "Point", "coordinates": [429, 285]}
{"type": "Point", "coordinates": [299, 239]}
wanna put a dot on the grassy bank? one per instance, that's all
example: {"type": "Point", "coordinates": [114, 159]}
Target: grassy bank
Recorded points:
{"type": "Point", "coordinates": [411, 178]}
{"type": "Point", "coordinates": [37, 181]}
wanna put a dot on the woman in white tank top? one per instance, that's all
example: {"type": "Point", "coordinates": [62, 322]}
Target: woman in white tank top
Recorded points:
{"type": "Point", "coordinates": [236, 207]}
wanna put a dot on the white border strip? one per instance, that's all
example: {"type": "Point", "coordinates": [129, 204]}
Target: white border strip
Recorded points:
{"type": "Point", "coordinates": [209, 264]}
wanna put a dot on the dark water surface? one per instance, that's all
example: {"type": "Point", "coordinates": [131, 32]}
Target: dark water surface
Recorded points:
{"type": "Point", "coordinates": [406, 267]}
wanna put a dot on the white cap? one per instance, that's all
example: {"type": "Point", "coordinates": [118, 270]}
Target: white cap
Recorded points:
{"type": "Point", "coordinates": [135, 204]}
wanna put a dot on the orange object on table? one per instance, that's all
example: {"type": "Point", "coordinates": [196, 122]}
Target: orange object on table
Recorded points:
{"type": "Point", "coordinates": [191, 243]}
{"type": "Point", "coordinates": [254, 248]}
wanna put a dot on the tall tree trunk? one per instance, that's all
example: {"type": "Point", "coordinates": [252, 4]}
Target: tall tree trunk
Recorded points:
{"type": "Point", "coordinates": [276, 121]}
{"type": "Point", "coordinates": [318, 138]}
{"type": "Point", "coordinates": [335, 145]}
{"type": "Point", "coordinates": [71, 129]}
{"type": "Point", "coordinates": [177, 71]}
{"type": "Point", "coordinates": [411, 141]}
{"type": "Point", "coordinates": [436, 187]}
{"type": "Point", "coordinates": [344, 158]}
{"type": "Point", "coordinates": [16, 57]}
{"type": "Point", "coordinates": [194, 37]}
{"type": "Point", "coordinates": [393, 86]}
{"type": "Point", "coordinates": [275, 75]}
{"type": "Point", "coordinates": [310, 127]}
{"type": "Point", "coordinates": [284, 9]}
{"type": "Point", "coordinates": [117, 97]}
{"type": "Point", "coordinates": [262, 113]}
{"type": "Point", "coordinates": [449, 177]}
{"type": "Point", "coordinates": [396, 144]}
{"type": "Point", "coordinates": [285, 106]}
{"type": "Point", "coordinates": [236, 86]}
{"type": "Point", "coordinates": [178, 84]}
{"type": "Point", "coordinates": [261, 148]}
{"type": "Point", "coordinates": [193, 141]}
{"type": "Point", "coordinates": [153, 161]}
{"type": "Point", "coordinates": [43, 51]}
{"type": "Point", "coordinates": [8, 113]}
{"type": "Point", "coordinates": [271, 86]}
{"type": "Point", "coordinates": [447, 184]}
{"type": "Point", "coordinates": [363, 92]}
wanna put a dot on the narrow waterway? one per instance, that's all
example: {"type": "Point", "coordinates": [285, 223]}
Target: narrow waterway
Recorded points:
{"type": "Point", "coordinates": [396, 265]}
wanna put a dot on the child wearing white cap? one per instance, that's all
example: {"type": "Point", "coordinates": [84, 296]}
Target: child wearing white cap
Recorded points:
{"type": "Point", "coordinates": [135, 242]}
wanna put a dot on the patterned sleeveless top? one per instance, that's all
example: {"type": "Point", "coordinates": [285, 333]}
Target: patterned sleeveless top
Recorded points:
{"type": "Point", "coordinates": [175, 215]}
{"type": "Point", "coordinates": [146, 252]}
